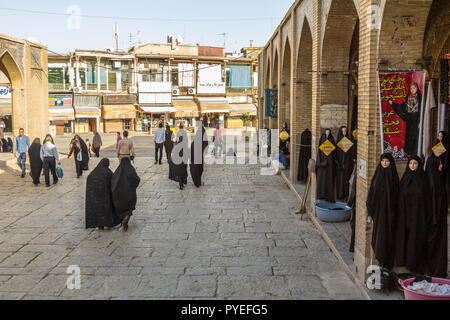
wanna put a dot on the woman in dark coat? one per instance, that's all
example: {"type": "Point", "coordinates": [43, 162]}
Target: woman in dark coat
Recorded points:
{"type": "Point", "coordinates": [382, 208]}
{"type": "Point", "coordinates": [304, 155]}
{"type": "Point", "coordinates": [179, 159]}
{"type": "Point", "coordinates": [198, 147]}
{"type": "Point", "coordinates": [99, 208]}
{"type": "Point", "coordinates": [123, 186]}
{"type": "Point", "coordinates": [78, 154]}
{"type": "Point", "coordinates": [344, 163]}
{"type": "Point", "coordinates": [326, 170]}
{"type": "Point", "coordinates": [414, 210]}
{"type": "Point", "coordinates": [34, 153]}
{"type": "Point", "coordinates": [85, 152]}
{"type": "Point", "coordinates": [168, 146]}
{"type": "Point", "coordinates": [409, 111]}
{"type": "Point", "coordinates": [437, 261]}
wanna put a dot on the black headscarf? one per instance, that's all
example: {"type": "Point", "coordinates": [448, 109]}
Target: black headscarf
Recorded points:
{"type": "Point", "coordinates": [124, 184]}
{"type": "Point", "coordinates": [168, 143]}
{"type": "Point", "coordinates": [413, 219]}
{"type": "Point", "coordinates": [326, 170]}
{"type": "Point", "coordinates": [34, 153]}
{"type": "Point", "coordinates": [99, 209]}
{"type": "Point", "coordinates": [344, 161]}
{"type": "Point", "coordinates": [437, 261]}
{"type": "Point", "coordinates": [382, 207]}
{"type": "Point", "coordinates": [195, 167]}
{"type": "Point", "coordinates": [84, 152]}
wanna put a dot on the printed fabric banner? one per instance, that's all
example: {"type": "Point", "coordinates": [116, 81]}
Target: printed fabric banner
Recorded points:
{"type": "Point", "coordinates": [401, 103]}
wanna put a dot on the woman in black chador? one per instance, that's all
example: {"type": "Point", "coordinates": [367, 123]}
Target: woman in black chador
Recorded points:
{"type": "Point", "coordinates": [382, 207]}
{"type": "Point", "coordinates": [326, 170]}
{"type": "Point", "coordinates": [409, 111]}
{"type": "Point", "coordinates": [179, 158]}
{"type": "Point", "coordinates": [414, 209]}
{"type": "Point", "coordinates": [168, 146]}
{"type": "Point", "coordinates": [99, 209]}
{"type": "Point", "coordinates": [198, 147]}
{"type": "Point", "coordinates": [344, 162]}
{"type": "Point", "coordinates": [77, 151]}
{"type": "Point", "coordinates": [123, 186]}
{"type": "Point", "coordinates": [304, 155]}
{"type": "Point", "coordinates": [35, 160]}
{"type": "Point", "coordinates": [437, 261]}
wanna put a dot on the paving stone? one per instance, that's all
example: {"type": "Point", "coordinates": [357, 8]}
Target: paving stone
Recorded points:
{"type": "Point", "coordinates": [196, 286]}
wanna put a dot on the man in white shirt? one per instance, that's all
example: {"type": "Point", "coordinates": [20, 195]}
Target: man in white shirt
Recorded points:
{"type": "Point", "coordinates": [159, 143]}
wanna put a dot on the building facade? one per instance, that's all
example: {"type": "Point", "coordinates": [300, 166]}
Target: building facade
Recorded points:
{"type": "Point", "coordinates": [320, 70]}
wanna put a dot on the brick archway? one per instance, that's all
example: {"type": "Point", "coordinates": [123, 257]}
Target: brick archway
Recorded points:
{"type": "Point", "coordinates": [285, 87]}
{"type": "Point", "coordinates": [273, 122]}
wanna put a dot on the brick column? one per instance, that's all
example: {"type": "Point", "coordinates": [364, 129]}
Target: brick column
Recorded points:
{"type": "Point", "coordinates": [293, 125]}
{"type": "Point", "coordinates": [368, 133]}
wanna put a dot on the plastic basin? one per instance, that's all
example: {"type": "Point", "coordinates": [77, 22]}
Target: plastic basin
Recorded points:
{"type": "Point", "coordinates": [413, 295]}
{"type": "Point", "coordinates": [333, 212]}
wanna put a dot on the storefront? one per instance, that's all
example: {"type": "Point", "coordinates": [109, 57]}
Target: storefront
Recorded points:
{"type": "Point", "coordinates": [154, 113]}
{"type": "Point", "coordinates": [87, 113]}
{"type": "Point", "coordinates": [186, 112]}
{"type": "Point", "coordinates": [6, 107]}
{"type": "Point", "coordinates": [213, 110]}
{"type": "Point", "coordinates": [238, 110]}
{"type": "Point", "coordinates": [119, 113]}
{"type": "Point", "coordinates": [61, 113]}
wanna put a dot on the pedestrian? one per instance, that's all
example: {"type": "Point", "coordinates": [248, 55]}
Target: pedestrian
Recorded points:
{"type": "Point", "coordinates": [198, 147]}
{"type": "Point", "coordinates": [217, 140]}
{"type": "Point", "coordinates": [437, 260]}
{"type": "Point", "coordinates": [180, 157]}
{"type": "Point", "coordinates": [77, 155]}
{"type": "Point", "coordinates": [49, 156]}
{"type": "Point", "coordinates": [97, 143]}
{"type": "Point", "coordinates": [326, 169]}
{"type": "Point", "coordinates": [159, 142]}
{"type": "Point", "coordinates": [168, 147]}
{"type": "Point", "coordinates": [2, 135]}
{"type": "Point", "coordinates": [99, 208]}
{"type": "Point", "coordinates": [84, 152]}
{"type": "Point", "coordinates": [382, 208]}
{"type": "Point", "coordinates": [123, 185]}
{"type": "Point", "coordinates": [22, 146]}
{"type": "Point", "coordinates": [414, 212]}
{"type": "Point", "coordinates": [88, 145]}
{"type": "Point", "coordinates": [35, 160]}
{"type": "Point", "coordinates": [119, 137]}
{"type": "Point", "coordinates": [125, 148]}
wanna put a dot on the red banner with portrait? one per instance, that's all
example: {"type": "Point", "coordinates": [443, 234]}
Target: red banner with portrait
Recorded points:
{"type": "Point", "coordinates": [401, 105]}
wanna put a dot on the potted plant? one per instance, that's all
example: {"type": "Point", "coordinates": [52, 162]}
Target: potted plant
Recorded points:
{"type": "Point", "coordinates": [245, 117]}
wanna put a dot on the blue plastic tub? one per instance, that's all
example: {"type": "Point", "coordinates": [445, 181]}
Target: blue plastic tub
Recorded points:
{"type": "Point", "coordinates": [333, 212]}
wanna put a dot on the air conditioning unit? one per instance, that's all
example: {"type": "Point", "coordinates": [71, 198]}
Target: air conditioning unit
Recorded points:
{"type": "Point", "coordinates": [117, 64]}
{"type": "Point", "coordinates": [132, 90]}
{"type": "Point", "coordinates": [191, 91]}
{"type": "Point", "coordinates": [78, 90]}
{"type": "Point", "coordinates": [175, 92]}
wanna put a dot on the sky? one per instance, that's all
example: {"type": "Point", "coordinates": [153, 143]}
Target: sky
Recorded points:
{"type": "Point", "coordinates": [196, 21]}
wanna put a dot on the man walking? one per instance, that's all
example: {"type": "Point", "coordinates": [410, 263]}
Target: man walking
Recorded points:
{"type": "Point", "coordinates": [160, 137]}
{"type": "Point", "coordinates": [125, 148]}
{"type": "Point", "coordinates": [22, 146]}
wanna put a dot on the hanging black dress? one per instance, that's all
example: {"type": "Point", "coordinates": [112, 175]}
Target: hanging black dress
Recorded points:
{"type": "Point", "coordinates": [325, 171]}
{"type": "Point", "coordinates": [99, 209]}
{"type": "Point", "coordinates": [196, 166]}
{"type": "Point", "coordinates": [179, 166]}
{"type": "Point", "coordinates": [382, 207]}
{"type": "Point", "coordinates": [345, 164]}
{"type": "Point", "coordinates": [413, 219]}
{"type": "Point", "coordinates": [123, 185]}
{"type": "Point", "coordinates": [304, 155]}
{"type": "Point", "coordinates": [409, 111]}
{"type": "Point", "coordinates": [34, 153]}
{"type": "Point", "coordinates": [437, 261]}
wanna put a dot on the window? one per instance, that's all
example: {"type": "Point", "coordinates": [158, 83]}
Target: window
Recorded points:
{"type": "Point", "coordinates": [58, 78]}
{"type": "Point", "coordinates": [126, 124]}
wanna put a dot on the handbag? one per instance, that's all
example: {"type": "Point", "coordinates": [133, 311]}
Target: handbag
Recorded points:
{"type": "Point", "coordinates": [59, 172]}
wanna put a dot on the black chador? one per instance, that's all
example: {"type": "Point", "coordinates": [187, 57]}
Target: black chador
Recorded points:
{"type": "Point", "coordinates": [99, 208]}
{"type": "Point", "coordinates": [344, 163]}
{"type": "Point", "coordinates": [85, 154]}
{"type": "Point", "coordinates": [326, 170]}
{"type": "Point", "coordinates": [382, 207]}
{"type": "Point", "coordinates": [304, 155]}
{"type": "Point", "coordinates": [409, 111]}
{"type": "Point", "coordinates": [437, 261]}
{"type": "Point", "coordinates": [35, 160]}
{"type": "Point", "coordinates": [413, 217]}
{"type": "Point", "coordinates": [198, 147]}
{"type": "Point", "coordinates": [123, 185]}
{"type": "Point", "coordinates": [179, 159]}
{"type": "Point", "coordinates": [168, 146]}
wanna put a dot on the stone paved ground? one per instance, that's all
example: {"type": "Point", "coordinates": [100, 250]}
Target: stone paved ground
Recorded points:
{"type": "Point", "coordinates": [235, 238]}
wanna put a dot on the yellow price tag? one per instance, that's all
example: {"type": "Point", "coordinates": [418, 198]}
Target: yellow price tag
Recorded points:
{"type": "Point", "coordinates": [284, 135]}
{"type": "Point", "coordinates": [439, 149]}
{"type": "Point", "coordinates": [355, 133]}
{"type": "Point", "coordinates": [327, 147]}
{"type": "Point", "coordinates": [345, 144]}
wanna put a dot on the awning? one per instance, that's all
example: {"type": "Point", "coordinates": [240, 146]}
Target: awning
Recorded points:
{"type": "Point", "coordinates": [148, 108]}
{"type": "Point", "coordinates": [213, 105]}
{"type": "Point", "coordinates": [185, 108]}
{"type": "Point", "coordinates": [119, 112]}
{"type": "Point", "coordinates": [87, 112]}
{"type": "Point", "coordinates": [237, 109]}
{"type": "Point", "coordinates": [61, 113]}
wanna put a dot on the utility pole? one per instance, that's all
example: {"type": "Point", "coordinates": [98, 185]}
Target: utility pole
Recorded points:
{"type": "Point", "coordinates": [131, 40]}
{"type": "Point", "coordinates": [116, 35]}
{"type": "Point", "coordinates": [224, 39]}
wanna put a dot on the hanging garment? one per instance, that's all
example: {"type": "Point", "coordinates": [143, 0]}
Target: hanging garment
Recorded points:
{"type": "Point", "coordinates": [344, 166]}
{"type": "Point", "coordinates": [326, 170]}
{"type": "Point", "coordinates": [304, 155]}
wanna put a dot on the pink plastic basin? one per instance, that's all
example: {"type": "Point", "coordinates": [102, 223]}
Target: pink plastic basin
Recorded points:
{"type": "Point", "coordinates": [413, 295]}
